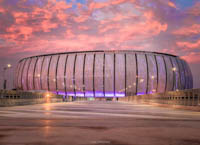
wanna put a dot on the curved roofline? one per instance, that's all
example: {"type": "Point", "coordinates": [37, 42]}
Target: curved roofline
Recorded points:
{"type": "Point", "coordinates": [92, 51]}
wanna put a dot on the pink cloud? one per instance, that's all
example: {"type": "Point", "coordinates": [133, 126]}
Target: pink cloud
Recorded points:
{"type": "Point", "coordinates": [195, 9]}
{"type": "Point", "coordinates": [188, 45]}
{"type": "Point", "coordinates": [188, 30]}
{"type": "Point", "coordinates": [80, 19]}
{"type": "Point", "coordinates": [2, 10]}
{"type": "Point", "coordinates": [192, 57]}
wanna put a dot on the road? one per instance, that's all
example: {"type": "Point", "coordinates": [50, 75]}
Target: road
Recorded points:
{"type": "Point", "coordinates": [98, 123]}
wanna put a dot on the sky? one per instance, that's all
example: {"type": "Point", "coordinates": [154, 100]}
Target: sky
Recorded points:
{"type": "Point", "coordinates": [33, 27]}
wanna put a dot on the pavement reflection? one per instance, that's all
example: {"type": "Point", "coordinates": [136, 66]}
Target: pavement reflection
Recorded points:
{"type": "Point", "coordinates": [89, 123]}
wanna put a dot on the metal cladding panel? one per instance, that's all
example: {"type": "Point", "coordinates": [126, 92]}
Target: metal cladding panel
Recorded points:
{"type": "Point", "coordinates": [37, 73]}
{"type": "Point", "coordinates": [189, 82]}
{"type": "Point", "coordinates": [161, 74]}
{"type": "Point", "coordinates": [24, 74]}
{"type": "Point", "coordinates": [191, 78]}
{"type": "Point", "coordinates": [69, 75]}
{"type": "Point", "coordinates": [52, 73]}
{"type": "Point", "coordinates": [187, 75]}
{"type": "Point", "coordinates": [176, 72]}
{"type": "Point", "coordinates": [152, 84]}
{"type": "Point", "coordinates": [30, 73]}
{"type": "Point", "coordinates": [104, 74]}
{"type": "Point", "coordinates": [89, 75]}
{"type": "Point", "coordinates": [44, 75]}
{"type": "Point", "coordinates": [142, 74]}
{"type": "Point", "coordinates": [61, 74]}
{"type": "Point", "coordinates": [109, 75]}
{"type": "Point", "coordinates": [130, 74]}
{"type": "Point", "coordinates": [79, 75]}
{"type": "Point", "coordinates": [182, 73]}
{"type": "Point", "coordinates": [98, 73]}
{"type": "Point", "coordinates": [170, 73]}
{"type": "Point", "coordinates": [20, 75]}
{"type": "Point", "coordinates": [16, 74]}
{"type": "Point", "coordinates": [120, 75]}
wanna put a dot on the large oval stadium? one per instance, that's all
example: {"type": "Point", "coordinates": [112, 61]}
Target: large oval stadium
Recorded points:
{"type": "Point", "coordinates": [104, 73]}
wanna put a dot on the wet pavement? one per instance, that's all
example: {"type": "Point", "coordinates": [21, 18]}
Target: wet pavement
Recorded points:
{"type": "Point", "coordinates": [98, 123]}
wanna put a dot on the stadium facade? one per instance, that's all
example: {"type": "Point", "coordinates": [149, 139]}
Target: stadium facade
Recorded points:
{"type": "Point", "coordinates": [104, 73]}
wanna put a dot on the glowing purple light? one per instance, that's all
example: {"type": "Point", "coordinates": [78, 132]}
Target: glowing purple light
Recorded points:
{"type": "Point", "coordinates": [91, 94]}
{"type": "Point", "coordinates": [141, 93]}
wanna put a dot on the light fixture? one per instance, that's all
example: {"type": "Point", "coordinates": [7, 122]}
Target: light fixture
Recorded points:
{"type": "Point", "coordinates": [47, 95]}
{"type": "Point", "coordinates": [173, 69]}
{"type": "Point", "coordinates": [141, 80]}
{"type": "Point", "coordinates": [9, 65]}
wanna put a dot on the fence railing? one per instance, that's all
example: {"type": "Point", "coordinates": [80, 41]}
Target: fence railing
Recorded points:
{"type": "Point", "coordinates": [189, 97]}
{"type": "Point", "coordinates": [13, 98]}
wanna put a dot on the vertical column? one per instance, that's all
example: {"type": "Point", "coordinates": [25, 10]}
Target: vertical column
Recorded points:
{"type": "Point", "coordinates": [142, 74]}
{"type": "Point", "coordinates": [125, 75]}
{"type": "Point", "coordinates": [114, 75]}
{"type": "Point", "coordinates": [65, 68]}
{"type": "Point", "coordinates": [136, 74]}
{"type": "Point", "coordinates": [189, 76]}
{"type": "Point", "coordinates": [189, 81]}
{"type": "Point", "coordinates": [161, 74]}
{"type": "Point", "coordinates": [22, 73]}
{"type": "Point", "coordinates": [184, 75]}
{"type": "Point", "coordinates": [173, 74]}
{"type": "Point", "coordinates": [89, 75]}
{"type": "Point", "coordinates": [57, 74]}
{"type": "Point", "coordinates": [74, 71]}
{"type": "Point", "coordinates": [27, 74]}
{"type": "Point", "coordinates": [98, 73]}
{"type": "Point", "coordinates": [104, 57]}
{"type": "Point", "coordinates": [34, 73]}
{"type": "Point", "coordinates": [84, 74]}
{"type": "Point", "coordinates": [120, 75]}
{"type": "Point", "coordinates": [157, 73]}
{"type": "Point", "coordinates": [48, 73]}
{"type": "Point", "coordinates": [130, 74]}
{"type": "Point", "coordinates": [179, 71]}
{"type": "Point", "coordinates": [41, 72]}
{"type": "Point", "coordinates": [94, 74]}
{"type": "Point", "coordinates": [147, 87]}
{"type": "Point", "coordinates": [165, 72]}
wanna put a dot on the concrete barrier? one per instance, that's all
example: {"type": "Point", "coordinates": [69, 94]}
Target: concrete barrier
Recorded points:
{"type": "Point", "coordinates": [13, 98]}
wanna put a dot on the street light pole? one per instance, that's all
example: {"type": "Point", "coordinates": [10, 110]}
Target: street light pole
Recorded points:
{"type": "Point", "coordinates": [4, 78]}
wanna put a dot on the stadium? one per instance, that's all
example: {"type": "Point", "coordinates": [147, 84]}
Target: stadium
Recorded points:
{"type": "Point", "coordinates": [116, 73]}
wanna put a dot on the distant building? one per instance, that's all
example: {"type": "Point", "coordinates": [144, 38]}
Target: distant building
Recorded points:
{"type": "Point", "coordinates": [104, 73]}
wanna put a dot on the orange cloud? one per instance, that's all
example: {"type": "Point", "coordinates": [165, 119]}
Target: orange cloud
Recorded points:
{"type": "Point", "coordinates": [171, 4]}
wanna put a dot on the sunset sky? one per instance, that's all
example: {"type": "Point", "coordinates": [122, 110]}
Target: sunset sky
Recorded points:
{"type": "Point", "coordinates": [33, 27]}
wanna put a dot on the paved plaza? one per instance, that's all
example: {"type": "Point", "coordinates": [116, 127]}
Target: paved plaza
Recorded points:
{"type": "Point", "coordinates": [98, 123]}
